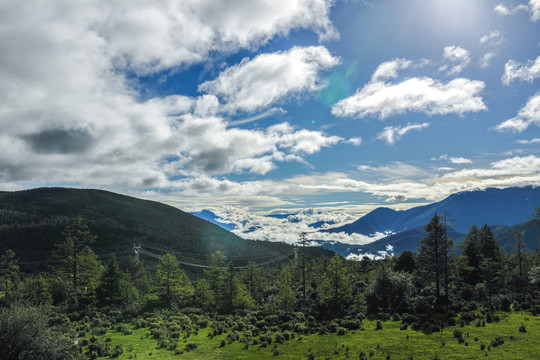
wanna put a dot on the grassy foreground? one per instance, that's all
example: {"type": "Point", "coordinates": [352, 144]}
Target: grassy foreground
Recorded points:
{"type": "Point", "coordinates": [387, 343]}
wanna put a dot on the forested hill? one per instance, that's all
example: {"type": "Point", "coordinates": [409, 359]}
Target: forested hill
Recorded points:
{"type": "Point", "coordinates": [32, 221]}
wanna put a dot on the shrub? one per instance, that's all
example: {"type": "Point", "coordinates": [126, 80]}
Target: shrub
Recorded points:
{"type": "Point", "coordinates": [403, 326]}
{"type": "Point", "coordinates": [232, 337]}
{"type": "Point", "coordinates": [191, 346]}
{"type": "Point", "coordinates": [276, 351]}
{"type": "Point", "coordinates": [341, 331]}
{"type": "Point", "coordinates": [522, 328]}
{"type": "Point", "coordinates": [266, 338]}
{"type": "Point", "coordinates": [408, 318]}
{"type": "Point", "coordinates": [458, 334]}
{"type": "Point", "coordinates": [497, 341]}
{"type": "Point", "coordinates": [396, 317]}
{"type": "Point", "coordinates": [117, 351]}
{"type": "Point", "coordinates": [468, 316]}
{"type": "Point", "coordinates": [279, 338]}
{"type": "Point", "coordinates": [378, 325]}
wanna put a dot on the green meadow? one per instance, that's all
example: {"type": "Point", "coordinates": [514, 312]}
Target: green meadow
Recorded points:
{"type": "Point", "coordinates": [496, 340]}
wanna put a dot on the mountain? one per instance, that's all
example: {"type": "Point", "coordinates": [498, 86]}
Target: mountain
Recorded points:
{"type": "Point", "coordinates": [32, 221]}
{"type": "Point", "coordinates": [213, 218]}
{"type": "Point", "coordinates": [491, 206]}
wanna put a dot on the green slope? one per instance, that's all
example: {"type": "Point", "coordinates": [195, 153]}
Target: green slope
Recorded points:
{"type": "Point", "coordinates": [31, 222]}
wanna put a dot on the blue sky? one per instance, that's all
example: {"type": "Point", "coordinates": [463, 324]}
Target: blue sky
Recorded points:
{"type": "Point", "coordinates": [250, 107]}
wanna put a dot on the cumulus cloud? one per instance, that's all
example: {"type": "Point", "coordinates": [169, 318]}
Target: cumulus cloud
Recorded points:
{"type": "Point", "coordinates": [534, 9]}
{"type": "Point", "coordinates": [391, 134]}
{"type": "Point", "coordinates": [525, 72]}
{"type": "Point", "coordinates": [423, 95]}
{"type": "Point", "coordinates": [527, 115]}
{"type": "Point", "coordinates": [457, 60]}
{"type": "Point", "coordinates": [65, 99]}
{"type": "Point", "coordinates": [267, 78]}
{"type": "Point", "coordinates": [152, 35]}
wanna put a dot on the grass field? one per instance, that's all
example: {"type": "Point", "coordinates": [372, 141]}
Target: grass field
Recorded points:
{"type": "Point", "coordinates": [388, 343]}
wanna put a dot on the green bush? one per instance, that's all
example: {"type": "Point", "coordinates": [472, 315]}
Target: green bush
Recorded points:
{"type": "Point", "coordinates": [27, 332]}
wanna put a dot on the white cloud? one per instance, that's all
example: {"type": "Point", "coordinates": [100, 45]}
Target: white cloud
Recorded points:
{"type": "Point", "coordinates": [531, 141]}
{"type": "Point", "coordinates": [524, 165]}
{"type": "Point", "coordinates": [258, 227]}
{"type": "Point", "coordinates": [485, 61]}
{"type": "Point", "coordinates": [394, 171]}
{"type": "Point", "coordinates": [423, 94]}
{"type": "Point", "coordinates": [151, 35]}
{"type": "Point", "coordinates": [356, 141]}
{"type": "Point", "coordinates": [267, 78]}
{"type": "Point", "coordinates": [65, 101]}
{"type": "Point", "coordinates": [515, 171]}
{"type": "Point", "coordinates": [494, 38]}
{"type": "Point", "coordinates": [460, 160]}
{"type": "Point", "coordinates": [526, 72]}
{"type": "Point", "coordinates": [457, 58]}
{"type": "Point", "coordinates": [527, 115]}
{"type": "Point", "coordinates": [389, 69]}
{"type": "Point", "coordinates": [533, 8]}
{"type": "Point", "coordinates": [503, 10]}
{"type": "Point", "coordinates": [391, 134]}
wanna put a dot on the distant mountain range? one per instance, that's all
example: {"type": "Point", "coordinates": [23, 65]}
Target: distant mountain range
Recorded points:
{"type": "Point", "coordinates": [503, 209]}
{"type": "Point", "coordinates": [491, 206]}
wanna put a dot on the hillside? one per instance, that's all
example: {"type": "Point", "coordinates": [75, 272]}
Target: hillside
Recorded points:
{"type": "Point", "coordinates": [491, 206]}
{"type": "Point", "coordinates": [32, 221]}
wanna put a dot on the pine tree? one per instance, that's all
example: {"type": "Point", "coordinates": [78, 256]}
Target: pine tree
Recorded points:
{"type": "Point", "coordinates": [432, 252]}
{"type": "Point", "coordinates": [470, 249]}
{"type": "Point", "coordinates": [77, 237]}
{"type": "Point", "coordinates": [492, 264]}
{"type": "Point", "coordinates": [203, 295]}
{"type": "Point", "coordinates": [172, 281]}
{"type": "Point", "coordinates": [109, 290]}
{"type": "Point", "coordinates": [9, 271]}
{"type": "Point", "coordinates": [336, 286]}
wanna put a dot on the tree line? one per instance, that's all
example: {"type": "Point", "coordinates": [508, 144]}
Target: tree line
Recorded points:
{"type": "Point", "coordinates": [437, 282]}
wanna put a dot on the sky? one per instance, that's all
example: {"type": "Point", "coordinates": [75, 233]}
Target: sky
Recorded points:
{"type": "Point", "coordinates": [252, 107]}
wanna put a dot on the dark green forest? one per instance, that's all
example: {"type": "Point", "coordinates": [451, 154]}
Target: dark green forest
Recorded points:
{"type": "Point", "coordinates": [57, 310]}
